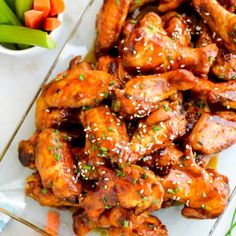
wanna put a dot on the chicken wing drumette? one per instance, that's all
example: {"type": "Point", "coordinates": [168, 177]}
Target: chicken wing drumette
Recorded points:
{"type": "Point", "coordinates": [220, 21]}
{"type": "Point", "coordinates": [149, 49]}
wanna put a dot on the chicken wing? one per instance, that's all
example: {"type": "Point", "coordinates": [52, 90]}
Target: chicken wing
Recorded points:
{"type": "Point", "coordinates": [79, 89]}
{"type": "Point", "coordinates": [142, 94]}
{"type": "Point", "coordinates": [35, 190]}
{"type": "Point", "coordinates": [135, 4]}
{"type": "Point", "coordinates": [220, 21]}
{"type": "Point", "coordinates": [55, 164]}
{"type": "Point", "coordinates": [26, 152]}
{"type": "Point", "coordinates": [149, 49]}
{"type": "Point", "coordinates": [224, 93]}
{"type": "Point", "coordinates": [169, 5]}
{"type": "Point", "coordinates": [109, 23]}
{"type": "Point", "coordinates": [121, 222]}
{"type": "Point", "coordinates": [106, 135]}
{"type": "Point", "coordinates": [156, 132]}
{"type": "Point", "coordinates": [177, 28]}
{"type": "Point", "coordinates": [213, 132]}
{"type": "Point", "coordinates": [205, 193]}
{"type": "Point", "coordinates": [230, 5]}
{"type": "Point", "coordinates": [131, 187]}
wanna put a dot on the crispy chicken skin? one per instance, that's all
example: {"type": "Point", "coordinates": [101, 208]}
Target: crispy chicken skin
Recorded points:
{"type": "Point", "coordinates": [220, 21]}
{"type": "Point", "coordinates": [109, 23]}
{"type": "Point", "coordinates": [221, 127]}
{"type": "Point", "coordinates": [80, 88]}
{"type": "Point", "coordinates": [53, 117]}
{"type": "Point", "coordinates": [149, 49]}
{"type": "Point", "coordinates": [156, 132]}
{"type": "Point", "coordinates": [55, 164]}
{"type": "Point", "coordinates": [169, 5]}
{"type": "Point", "coordinates": [224, 93]}
{"type": "Point", "coordinates": [121, 223]}
{"type": "Point", "coordinates": [106, 135]}
{"type": "Point", "coordinates": [142, 94]}
{"type": "Point", "coordinates": [132, 188]}
{"type": "Point", "coordinates": [35, 190]}
{"type": "Point", "coordinates": [177, 28]}
{"type": "Point", "coordinates": [26, 152]}
{"type": "Point", "coordinates": [205, 193]}
{"type": "Point", "coordinates": [136, 4]}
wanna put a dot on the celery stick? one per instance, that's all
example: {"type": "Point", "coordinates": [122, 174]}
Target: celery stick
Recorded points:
{"type": "Point", "coordinates": [22, 6]}
{"type": "Point", "coordinates": [11, 4]}
{"type": "Point", "coordinates": [7, 14]}
{"type": "Point", "coordinates": [23, 35]}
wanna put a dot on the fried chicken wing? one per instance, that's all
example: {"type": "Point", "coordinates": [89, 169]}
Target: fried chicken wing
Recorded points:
{"type": "Point", "coordinates": [80, 88]}
{"type": "Point", "coordinates": [26, 152]}
{"type": "Point", "coordinates": [109, 23]}
{"type": "Point", "coordinates": [78, 63]}
{"type": "Point", "coordinates": [132, 188]}
{"type": "Point", "coordinates": [213, 132]}
{"type": "Point", "coordinates": [205, 193]}
{"type": "Point", "coordinates": [35, 190]}
{"type": "Point", "coordinates": [220, 21]}
{"type": "Point", "coordinates": [55, 164]}
{"type": "Point", "coordinates": [106, 135]}
{"type": "Point", "coordinates": [142, 94]}
{"type": "Point", "coordinates": [156, 132]}
{"type": "Point", "coordinates": [120, 222]}
{"type": "Point", "coordinates": [137, 4]}
{"type": "Point", "coordinates": [177, 28]}
{"type": "Point", "coordinates": [169, 5]}
{"type": "Point", "coordinates": [224, 93]}
{"type": "Point", "coordinates": [149, 49]}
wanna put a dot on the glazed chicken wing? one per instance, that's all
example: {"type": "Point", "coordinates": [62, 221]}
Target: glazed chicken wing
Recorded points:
{"type": "Point", "coordinates": [106, 135]}
{"type": "Point", "coordinates": [149, 49]}
{"type": "Point", "coordinates": [109, 23]}
{"type": "Point", "coordinates": [80, 88]}
{"type": "Point", "coordinates": [34, 189]}
{"type": "Point", "coordinates": [132, 188]}
{"type": "Point", "coordinates": [55, 164]}
{"type": "Point", "coordinates": [169, 5]}
{"type": "Point", "coordinates": [213, 132]}
{"type": "Point", "coordinates": [205, 193]}
{"type": "Point", "coordinates": [142, 94]}
{"type": "Point", "coordinates": [177, 28]}
{"type": "Point", "coordinates": [156, 132]}
{"type": "Point", "coordinates": [230, 5]}
{"type": "Point", "coordinates": [220, 21]}
{"type": "Point", "coordinates": [120, 222]}
{"type": "Point", "coordinates": [224, 93]}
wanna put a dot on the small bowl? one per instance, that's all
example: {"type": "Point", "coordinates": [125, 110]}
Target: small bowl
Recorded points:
{"type": "Point", "coordinates": [35, 49]}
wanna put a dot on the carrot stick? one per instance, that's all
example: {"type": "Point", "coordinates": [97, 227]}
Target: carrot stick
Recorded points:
{"type": "Point", "coordinates": [53, 222]}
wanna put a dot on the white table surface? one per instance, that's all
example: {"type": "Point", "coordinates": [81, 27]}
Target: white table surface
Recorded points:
{"type": "Point", "coordinates": [21, 76]}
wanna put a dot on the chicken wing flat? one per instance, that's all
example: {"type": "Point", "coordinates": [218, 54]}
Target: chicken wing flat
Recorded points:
{"type": "Point", "coordinates": [132, 188]}
{"type": "Point", "coordinates": [156, 132]}
{"type": "Point", "coordinates": [106, 135]}
{"type": "Point", "coordinates": [213, 132]}
{"type": "Point", "coordinates": [55, 164]}
{"type": "Point", "coordinates": [177, 28]}
{"type": "Point", "coordinates": [80, 88]}
{"type": "Point", "coordinates": [109, 23]}
{"type": "Point", "coordinates": [121, 222]}
{"type": "Point", "coordinates": [169, 5]}
{"type": "Point", "coordinates": [35, 190]}
{"type": "Point", "coordinates": [149, 49]}
{"type": "Point", "coordinates": [214, 14]}
{"type": "Point", "coordinates": [205, 193]}
{"type": "Point", "coordinates": [142, 94]}
{"type": "Point", "coordinates": [224, 93]}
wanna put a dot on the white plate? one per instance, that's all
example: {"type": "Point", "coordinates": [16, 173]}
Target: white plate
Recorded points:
{"type": "Point", "coordinates": [14, 174]}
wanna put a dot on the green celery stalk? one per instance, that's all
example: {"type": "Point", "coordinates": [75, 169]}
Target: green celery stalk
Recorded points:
{"type": "Point", "coordinates": [22, 6]}
{"type": "Point", "coordinates": [11, 4]}
{"type": "Point", "coordinates": [7, 14]}
{"type": "Point", "coordinates": [23, 35]}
